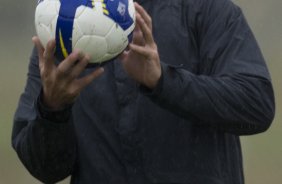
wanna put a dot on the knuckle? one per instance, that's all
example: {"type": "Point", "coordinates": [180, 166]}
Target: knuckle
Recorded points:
{"type": "Point", "coordinates": [60, 71]}
{"type": "Point", "coordinates": [75, 55]}
{"type": "Point", "coordinates": [43, 73]}
{"type": "Point", "coordinates": [147, 29]}
{"type": "Point", "coordinates": [49, 43]}
{"type": "Point", "coordinates": [154, 54]}
{"type": "Point", "coordinates": [41, 64]}
{"type": "Point", "coordinates": [48, 82]}
{"type": "Point", "coordinates": [87, 80]}
{"type": "Point", "coordinates": [82, 63]}
{"type": "Point", "coordinates": [45, 57]}
{"type": "Point", "coordinates": [150, 20]}
{"type": "Point", "coordinates": [72, 75]}
{"type": "Point", "coordinates": [73, 92]}
{"type": "Point", "coordinates": [155, 47]}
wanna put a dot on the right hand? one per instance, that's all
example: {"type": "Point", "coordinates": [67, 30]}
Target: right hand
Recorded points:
{"type": "Point", "coordinates": [61, 84]}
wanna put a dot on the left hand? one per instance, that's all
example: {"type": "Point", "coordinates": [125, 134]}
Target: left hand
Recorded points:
{"type": "Point", "coordinates": [141, 61]}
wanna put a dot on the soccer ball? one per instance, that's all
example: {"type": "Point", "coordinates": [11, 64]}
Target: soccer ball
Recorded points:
{"type": "Point", "coordinates": [99, 28]}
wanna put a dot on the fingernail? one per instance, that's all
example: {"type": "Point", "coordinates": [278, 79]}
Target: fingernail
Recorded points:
{"type": "Point", "coordinates": [77, 53]}
{"type": "Point", "coordinates": [53, 41]}
{"type": "Point", "coordinates": [87, 57]}
{"type": "Point", "coordinates": [33, 39]}
{"type": "Point", "coordinates": [101, 69]}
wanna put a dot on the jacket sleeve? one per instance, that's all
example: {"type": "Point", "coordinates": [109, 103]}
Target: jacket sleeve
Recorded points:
{"type": "Point", "coordinates": [47, 148]}
{"type": "Point", "coordinates": [232, 90]}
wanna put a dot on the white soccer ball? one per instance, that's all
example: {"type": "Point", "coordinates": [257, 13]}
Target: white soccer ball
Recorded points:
{"type": "Point", "coordinates": [99, 28]}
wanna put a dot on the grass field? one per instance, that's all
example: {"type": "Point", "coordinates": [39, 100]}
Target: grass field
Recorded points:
{"type": "Point", "coordinates": [262, 153]}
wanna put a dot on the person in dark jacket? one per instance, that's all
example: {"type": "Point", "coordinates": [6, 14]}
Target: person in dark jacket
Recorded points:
{"type": "Point", "coordinates": [168, 110]}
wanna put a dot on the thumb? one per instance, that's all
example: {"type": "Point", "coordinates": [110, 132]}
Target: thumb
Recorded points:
{"type": "Point", "coordinates": [39, 47]}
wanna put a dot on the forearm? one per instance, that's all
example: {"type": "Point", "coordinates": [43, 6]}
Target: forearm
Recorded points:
{"type": "Point", "coordinates": [46, 148]}
{"type": "Point", "coordinates": [238, 104]}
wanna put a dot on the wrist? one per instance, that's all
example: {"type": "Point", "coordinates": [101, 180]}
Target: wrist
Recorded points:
{"type": "Point", "coordinates": [56, 115]}
{"type": "Point", "coordinates": [48, 102]}
{"type": "Point", "coordinates": [154, 80]}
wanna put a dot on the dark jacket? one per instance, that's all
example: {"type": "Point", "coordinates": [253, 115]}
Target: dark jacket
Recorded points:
{"type": "Point", "coordinates": [214, 87]}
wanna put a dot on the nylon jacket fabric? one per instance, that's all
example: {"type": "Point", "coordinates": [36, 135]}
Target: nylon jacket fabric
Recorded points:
{"type": "Point", "coordinates": [214, 87]}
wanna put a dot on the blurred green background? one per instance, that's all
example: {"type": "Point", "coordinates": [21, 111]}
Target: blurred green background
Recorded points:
{"type": "Point", "coordinates": [262, 153]}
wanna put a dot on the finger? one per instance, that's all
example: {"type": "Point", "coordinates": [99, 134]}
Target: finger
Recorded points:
{"type": "Point", "coordinates": [80, 66]}
{"type": "Point", "coordinates": [138, 36]}
{"type": "Point", "coordinates": [144, 14]}
{"type": "Point", "coordinates": [48, 55]}
{"type": "Point", "coordinates": [83, 82]}
{"type": "Point", "coordinates": [66, 65]}
{"type": "Point", "coordinates": [147, 32]}
{"type": "Point", "coordinates": [123, 55]}
{"type": "Point", "coordinates": [140, 50]}
{"type": "Point", "coordinates": [39, 47]}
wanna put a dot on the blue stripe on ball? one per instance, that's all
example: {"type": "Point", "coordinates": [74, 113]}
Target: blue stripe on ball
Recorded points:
{"type": "Point", "coordinates": [65, 26]}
